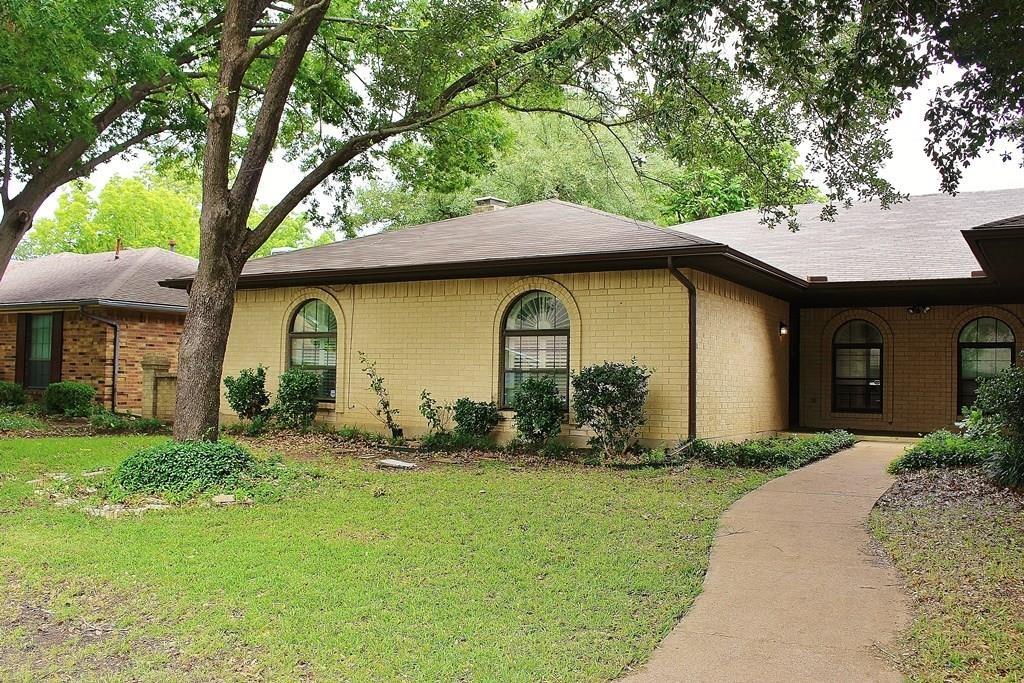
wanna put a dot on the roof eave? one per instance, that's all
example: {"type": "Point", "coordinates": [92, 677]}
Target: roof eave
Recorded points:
{"type": "Point", "coordinates": [712, 256]}
{"type": "Point", "coordinates": [70, 304]}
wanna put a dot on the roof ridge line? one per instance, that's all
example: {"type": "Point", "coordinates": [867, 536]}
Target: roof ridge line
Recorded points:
{"type": "Point", "coordinates": [678, 234]}
{"type": "Point", "coordinates": [116, 283]}
{"type": "Point", "coordinates": [405, 228]}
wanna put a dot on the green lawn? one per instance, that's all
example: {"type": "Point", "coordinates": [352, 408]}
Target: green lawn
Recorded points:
{"type": "Point", "coordinates": [959, 545]}
{"type": "Point", "coordinates": [487, 572]}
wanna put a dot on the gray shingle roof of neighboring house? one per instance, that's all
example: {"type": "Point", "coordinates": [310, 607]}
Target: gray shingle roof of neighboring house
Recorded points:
{"type": "Point", "coordinates": [129, 281]}
{"type": "Point", "coordinates": [544, 229]}
{"type": "Point", "coordinates": [917, 239]}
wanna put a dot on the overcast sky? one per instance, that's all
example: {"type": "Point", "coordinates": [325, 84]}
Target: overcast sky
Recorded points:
{"type": "Point", "coordinates": [909, 170]}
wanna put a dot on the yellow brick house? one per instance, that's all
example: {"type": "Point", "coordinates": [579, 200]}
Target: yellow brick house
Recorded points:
{"type": "Point", "coordinates": [748, 330]}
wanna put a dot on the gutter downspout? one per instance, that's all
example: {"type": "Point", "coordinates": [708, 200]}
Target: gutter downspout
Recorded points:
{"type": "Point", "coordinates": [691, 291]}
{"type": "Point", "coordinates": [117, 353]}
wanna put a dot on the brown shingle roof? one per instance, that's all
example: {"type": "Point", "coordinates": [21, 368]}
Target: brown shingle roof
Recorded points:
{"type": "Point", "coordinates": [544, 229]}
{"type": "Point", "coordinates": [918, 239]}
{"type": "Point", "coordinates": [130, 281]}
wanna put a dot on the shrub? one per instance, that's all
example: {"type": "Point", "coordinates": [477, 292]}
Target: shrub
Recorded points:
{"type": "Point", "coordinates": [184, 467]}
{"type": "Point", "coordinates": [539, 410]}
{"type": "Point", "coordinates": [436, 414]}
{"type": "Point", "coordinates": [770, 452]}
{"type": "Point", "coordinates": [247, 394]}
{"type": "Point", "coordinates": [11, 394]}
{"type": "Point", "coordinates": [296, 404]}
{"type": "Point", "coordinates": [610, 398]}
{"type": "Point", "coordinates": [944, 449]}
{"type": "Point", "coordinates": [115, 423]}
{"type": "Point", "coordinates": [475, 418]}
{"type": "Point", "coordinates": [1006, 466]}
{"type": "Point", "coordinates": [73, 399]}
{"type": "Point", "coordinates": [384, 412]}
{"type": "Point", "coordinates": [1001, 400]}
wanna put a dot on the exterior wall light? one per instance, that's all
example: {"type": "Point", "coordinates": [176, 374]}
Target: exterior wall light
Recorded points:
{"type": "Point", "coordinates": [783, 329]}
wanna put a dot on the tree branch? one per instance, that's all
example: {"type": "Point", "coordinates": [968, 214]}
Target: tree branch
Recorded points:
{"type": "Point", "coordinates": [284, 28]}
{"type": "Point", "coordinates": [84, 168]}
{"type": "Point", "coordinates": [5, 183]}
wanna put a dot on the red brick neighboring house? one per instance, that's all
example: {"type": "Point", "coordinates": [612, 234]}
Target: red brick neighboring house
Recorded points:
{"type": "Point", "coordinates": [74, 317]}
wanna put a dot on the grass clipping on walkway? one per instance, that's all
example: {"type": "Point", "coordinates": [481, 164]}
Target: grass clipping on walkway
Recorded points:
{"type": "Point", "coordinates": [490, 571]}
{"type": "Point", "coordinates": [958, 542]}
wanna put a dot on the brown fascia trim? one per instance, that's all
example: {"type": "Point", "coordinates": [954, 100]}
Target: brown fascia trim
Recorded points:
{"type": "Point", "coordinates": [75, 304]}
{"type": "Point", "coordinates": [976, 236]}
{"type": "Point", "coordinates": [652, 258]}
{"type": "Point", "coordinates": [973, 290]}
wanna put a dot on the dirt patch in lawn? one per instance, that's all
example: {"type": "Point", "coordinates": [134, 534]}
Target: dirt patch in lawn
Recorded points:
{"type": "Point", "coordinates": [70, 633]}
{"type": "Point", "coordinates": [958, 543]}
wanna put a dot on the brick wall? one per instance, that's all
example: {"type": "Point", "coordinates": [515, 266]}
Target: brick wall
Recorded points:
{"type": "Point", "coordinates": [742, 361]}
{"type": "Point", "coordinates": [143, 334]}
{"type": "Point", "coordinates": [88, 350]}
{"type": "Point", "coordinates": [444, 336]}
{"type": "Point", "coordinates": [919, 364]}
{"type": "Point", "coordinates": [8, 344]}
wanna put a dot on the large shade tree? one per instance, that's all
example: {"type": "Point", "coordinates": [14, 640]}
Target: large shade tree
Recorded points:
{"type": "Point", "coordinates": [549, 156]}
{"type": "Point", "coordinates": [83, 82]}
{"type": "Point", "coordinates": [336, 85]}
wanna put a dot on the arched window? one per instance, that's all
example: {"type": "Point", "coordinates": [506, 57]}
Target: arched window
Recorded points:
{"type": "Point", "coordinates": [857, 368]}
{"type": "Point", "coordinates": [985, 346]}
{"type": "Point", "coordinates": [313, 344]}
{"type": "Point", "coordinates": [535, 341]}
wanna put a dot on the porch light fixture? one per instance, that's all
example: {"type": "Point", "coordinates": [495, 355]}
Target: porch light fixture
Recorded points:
{"type": "Point", "coordinates": [918, 310]}
{"type": "Point", "coordinates": [783, 329]}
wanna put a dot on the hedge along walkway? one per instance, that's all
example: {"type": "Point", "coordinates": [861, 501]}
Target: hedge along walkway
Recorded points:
{"type": "Point", "coordinates": [795, 591]}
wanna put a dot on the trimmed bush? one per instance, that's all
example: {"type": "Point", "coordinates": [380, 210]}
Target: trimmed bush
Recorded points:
{"type": "Point", "coordinates": [184, 467]}
{"type": "Point", "coordinates": [295, 407]}
{"type": "Point", "coordinates": [944, 449]}
{"type": "Point", "coordinates": [11, 394]}
{"type": "Point", "coordinates": [539, 411]}
{"type": "Point", "coordinates": [771, 452]}
{"type": "Point", "coordinates": [610, 399]}
{"type": "Point", "coordinates": [474, 419]}
{"type": "Point", "coordinates": [73, 399]}
{"type": "Point", "coordinates": [115, 423]}
{"type": "Point", "coordinates": [247, 394]}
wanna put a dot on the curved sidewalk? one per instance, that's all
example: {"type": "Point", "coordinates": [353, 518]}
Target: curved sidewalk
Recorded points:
{"type": "Point", "coordinates": [794, 591]}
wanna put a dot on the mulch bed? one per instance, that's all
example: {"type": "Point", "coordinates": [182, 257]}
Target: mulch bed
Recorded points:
{"type": "Point", "coordinates": [942, 488]}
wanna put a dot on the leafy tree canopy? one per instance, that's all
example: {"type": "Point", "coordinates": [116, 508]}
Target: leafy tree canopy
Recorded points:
{"type": "Point", "coordinates": [148, 210]}
{"type": "Point", "coordinates": [544, 156]}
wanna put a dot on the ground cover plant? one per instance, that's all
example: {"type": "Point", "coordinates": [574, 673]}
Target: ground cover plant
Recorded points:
{"type": "Point", "coordinates": [486, 571]}
{"type": "Point", "coordinates": [106, 422]}
{"type": "Point", "coordinates": [945, 449]}
{"type": "Point", "coordinates": [772, 451]}
{"type": "Point", "coordinates": [956, 538]}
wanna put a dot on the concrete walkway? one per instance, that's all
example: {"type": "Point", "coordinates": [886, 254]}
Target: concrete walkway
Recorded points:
{"type": "Point", "coordinates": [794, 591]}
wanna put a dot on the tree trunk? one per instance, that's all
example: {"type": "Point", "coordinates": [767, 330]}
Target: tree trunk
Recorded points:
{"type": "Point", "coordinates": [201, 352]}
{"type": "Point", "coordinates": [15, 222]}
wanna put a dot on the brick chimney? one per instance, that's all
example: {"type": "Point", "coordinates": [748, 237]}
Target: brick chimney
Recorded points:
{"type": "Point", "coordinates": [486, 204]}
